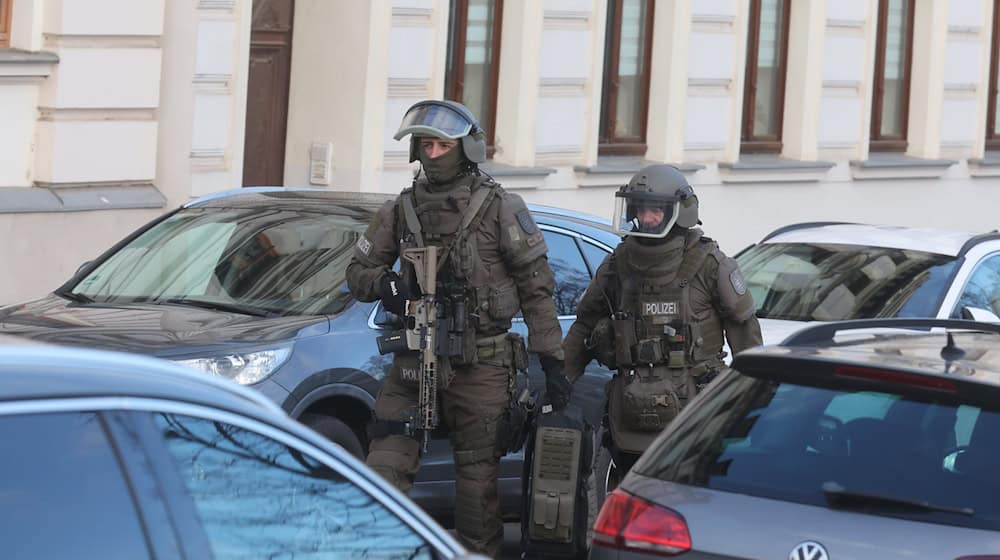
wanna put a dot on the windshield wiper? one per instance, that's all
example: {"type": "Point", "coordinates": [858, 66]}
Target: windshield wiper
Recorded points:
{"type": "Point", "coordinates": [72, 296]}
{"type": "Point", "coordinates": [217, 306]}
{"type": "Point", "coordinates": [838, 496]}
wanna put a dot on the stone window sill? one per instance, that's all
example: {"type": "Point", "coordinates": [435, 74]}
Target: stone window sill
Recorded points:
{"type": "Point", "coordinates": [503, 170]}
{"type": "Point", "coordinates": [771, 168]}
{"type": "Point", "coordinates": [516, 178]}
{"type": "Point", "coordinates": [899, 166]}
{"type": "Point", "coordinates": [79, 198]}
{"type": "Point", "coordinates": [17, 63]}
{"type": "Point", "coordinates": [986, 166]}
{"type": "Point", "coordinates": [614, 171]}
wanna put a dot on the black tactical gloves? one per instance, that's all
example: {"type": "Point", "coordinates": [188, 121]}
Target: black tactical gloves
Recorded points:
{"type": "Point", "coordinates": [557, 387]}
{"type": "Point", "coordinates": [391, 292]}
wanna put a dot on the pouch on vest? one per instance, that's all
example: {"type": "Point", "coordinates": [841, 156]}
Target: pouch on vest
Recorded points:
{"type": "Point", "coordinates": [405, 368]}
{"type": "Point", "coordinates": [648, 402]}
{"type": "Point", "coordinates": [503, 301]}
{"type": "Point", "coordinates": [625, 339]}
{"type": "Point", "coordinates": [556, 513]}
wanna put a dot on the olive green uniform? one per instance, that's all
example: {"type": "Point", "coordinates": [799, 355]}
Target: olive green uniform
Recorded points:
{"type": "Point", "coordinates": [503, 268]}
{"type": "Point", "coordinates": [681, 296]}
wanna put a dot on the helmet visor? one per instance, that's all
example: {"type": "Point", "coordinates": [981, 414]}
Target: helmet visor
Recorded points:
{"type": "Point", "coordinates": [644, 216]}
{"type": "Point", "coordinates": [439, 121]}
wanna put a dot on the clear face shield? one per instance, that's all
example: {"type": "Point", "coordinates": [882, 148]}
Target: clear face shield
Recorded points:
{"type": "Point", "coordinates": [644, 215]}
{"type": "Point", "coordinates": [439, 121]}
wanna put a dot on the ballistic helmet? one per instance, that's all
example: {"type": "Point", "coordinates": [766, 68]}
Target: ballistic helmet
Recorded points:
{"type": "Point", "coordinates": [657, 188]}
{"type": "Point", "coordinates": [447, 120]}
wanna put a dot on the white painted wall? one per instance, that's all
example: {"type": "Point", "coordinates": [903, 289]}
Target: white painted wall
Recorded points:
{"type": "Point", "coordinates": [332, 94]}
{"type": "Point", "coordinates": [18, 102]}
{"type": "Point", "coordinates": [157, 93]}
{"type": "Point", "coordinates": [90, 119]}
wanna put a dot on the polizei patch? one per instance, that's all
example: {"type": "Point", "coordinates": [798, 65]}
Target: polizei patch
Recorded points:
{"type": "Point", "coordinates": [409, 374]}
{"type": "Point", "coordinates": [659, 308]}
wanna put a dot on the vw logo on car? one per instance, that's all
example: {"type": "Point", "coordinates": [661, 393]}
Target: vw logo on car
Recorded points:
{"type": "Point", "coordinates": [809, 550]}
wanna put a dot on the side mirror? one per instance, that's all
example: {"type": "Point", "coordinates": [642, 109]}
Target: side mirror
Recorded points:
{"type": "Point", "coordinates": [387, 320]}
{"type": "Point", "coordinates": [979, 314]}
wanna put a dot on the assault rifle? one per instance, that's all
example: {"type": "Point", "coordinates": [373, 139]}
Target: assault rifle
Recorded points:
{"type": "Point", "coordinates": [421, 331]}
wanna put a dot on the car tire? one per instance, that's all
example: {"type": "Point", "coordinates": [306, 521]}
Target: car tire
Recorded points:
{"type": "Point", "coordinates": [606, 475]}
{"type": "Point", "coordinates": [336, 431]}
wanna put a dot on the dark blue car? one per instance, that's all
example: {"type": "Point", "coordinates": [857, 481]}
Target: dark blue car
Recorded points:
{"type": "Point", "coordinates": [250, 285]}
{"type": "Point", "coordinates": [110, 455]}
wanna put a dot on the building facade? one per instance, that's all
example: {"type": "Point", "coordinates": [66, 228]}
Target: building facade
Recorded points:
{"type": "Point", "coordinates": [778, 111]}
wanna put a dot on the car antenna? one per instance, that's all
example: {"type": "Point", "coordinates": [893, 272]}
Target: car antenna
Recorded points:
{"type": "Point", "coordinates": [951, 352]}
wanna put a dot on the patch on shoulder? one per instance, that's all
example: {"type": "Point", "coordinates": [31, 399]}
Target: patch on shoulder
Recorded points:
{"type": "Point", "coordinates": [364, 246]}
{"type": "Point", "coordinates": [526, 222]}
{"type": "Point", "coordinates": [739, 284]}
{"type": "Point", "coordinates": [514, 233]}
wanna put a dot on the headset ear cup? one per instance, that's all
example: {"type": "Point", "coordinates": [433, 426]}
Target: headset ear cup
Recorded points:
{"type": "Point", "coordinates": [414, 156]}
{"type": "Point", "coordinates": [474, 146]}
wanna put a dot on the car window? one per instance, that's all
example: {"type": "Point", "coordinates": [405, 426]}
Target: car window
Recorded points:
{"type": "Point", "coordinates": [784, 441]}
{"type": "Point", "coordinates": [62, 491]}
{"type": "Point", "coordinates": [595, 255]}
{"type": "Point", "coordinates": [570, 270]}
{"type": "Point", "coordinates": [284, 261]}
{"type": "Point", "coordinates": [982, 289]}
{"type": "Point", "coordinates": [260, 498]}
{"type": "Point", "coordinates": [829, 282]}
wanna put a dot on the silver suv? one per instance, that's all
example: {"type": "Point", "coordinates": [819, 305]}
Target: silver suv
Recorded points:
{"type": "Point", "coordinates": [852, 440]}
{"type": "Point", "coordinates": [827, 271]}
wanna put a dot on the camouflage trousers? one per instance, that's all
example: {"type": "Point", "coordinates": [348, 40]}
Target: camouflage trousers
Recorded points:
{"type": "Point", "coordinates": [471, 406]}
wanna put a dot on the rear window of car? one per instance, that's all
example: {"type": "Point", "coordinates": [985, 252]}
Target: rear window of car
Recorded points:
{"type": "Point", "coordinates": [831, 282]}
{"type": "Point", "coordinates": [789, 441]}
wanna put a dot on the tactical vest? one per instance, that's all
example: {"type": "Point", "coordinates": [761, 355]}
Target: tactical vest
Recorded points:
{"type": "Point", "coordinates": [659, 348]}
{"type": "Point", "coordinates": [653, 325]}
{"type": "Point", "coordinates": [451, 220]}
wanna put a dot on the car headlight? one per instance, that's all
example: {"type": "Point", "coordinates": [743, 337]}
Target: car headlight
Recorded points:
{"type": "Point", "coordinates": [245, 368]}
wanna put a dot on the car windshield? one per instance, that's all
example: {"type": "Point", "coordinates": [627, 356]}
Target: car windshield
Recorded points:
{"type": "Point", "coordinates": [831, 282]}
{"type": "Point", "coordinates": [269, 260]}
{"type": "Point", "coordinates": [883, 453]}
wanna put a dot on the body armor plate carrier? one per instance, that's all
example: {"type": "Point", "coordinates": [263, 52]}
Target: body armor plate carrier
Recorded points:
{"type": "Point", "coordinates": [659, 350]}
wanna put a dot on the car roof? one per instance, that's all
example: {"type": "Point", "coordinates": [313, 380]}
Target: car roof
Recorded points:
{"type": "Point", "coordinates": [250, 197]}
{"type": "Point", "coordinates": [930, 240]}
{"type": "Point", "coordinates": [967, 351]}
{"type": "Point", "coordinates": [32, 371]}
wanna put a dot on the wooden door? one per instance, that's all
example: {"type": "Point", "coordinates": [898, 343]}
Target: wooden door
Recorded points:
{"type": "Point", "coordinates": [267, 93]}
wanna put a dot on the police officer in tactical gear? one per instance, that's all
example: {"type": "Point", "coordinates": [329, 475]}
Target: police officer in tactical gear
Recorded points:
{"type": "Point", "coordinates": [656, 312]}
{"type": "Point", "coordinates": [494, 263]}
